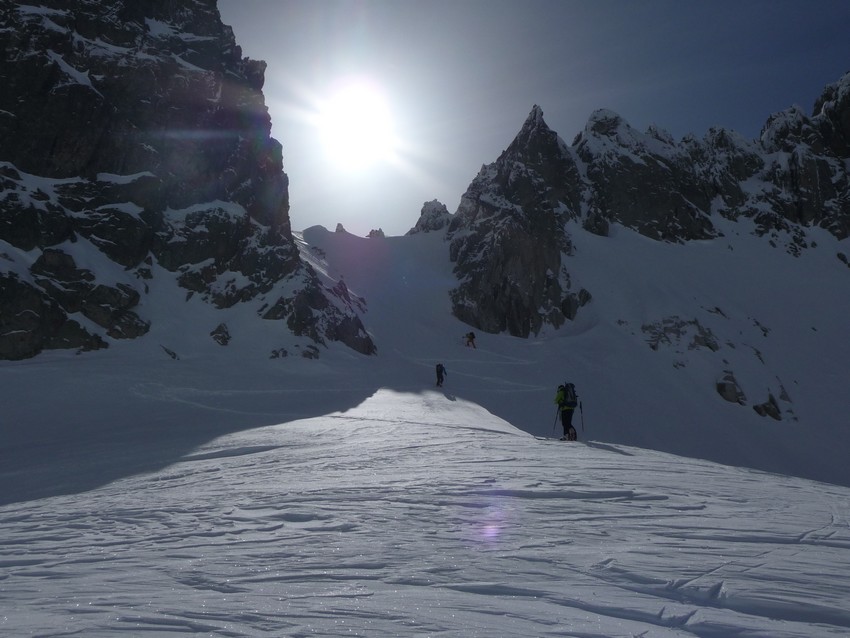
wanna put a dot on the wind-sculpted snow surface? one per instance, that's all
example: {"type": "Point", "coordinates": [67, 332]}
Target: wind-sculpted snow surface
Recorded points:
{"type": "Point", "coordinates": [424, 515]}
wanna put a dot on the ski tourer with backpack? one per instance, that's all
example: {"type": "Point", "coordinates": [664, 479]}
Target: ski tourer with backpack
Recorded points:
{"type": "Point", "coordinates": [567, 401]}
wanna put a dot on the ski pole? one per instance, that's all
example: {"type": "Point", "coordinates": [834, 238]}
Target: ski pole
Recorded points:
{"type": "Point", "coordinates": [581, 410]}
{"type": "Point", "coordinates": [555, 422]}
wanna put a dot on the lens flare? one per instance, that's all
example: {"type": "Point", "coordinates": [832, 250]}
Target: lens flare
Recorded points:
{"type": "Point", "coordinates": [356, 126]}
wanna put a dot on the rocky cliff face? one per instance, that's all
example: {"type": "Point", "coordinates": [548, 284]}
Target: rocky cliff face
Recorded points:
{"type": "Point", "coordinates": [510, 239]}
{"type": "Point", "coordinates": [508, 236]}
{"type": "Point", "coordinates": [135, 146]}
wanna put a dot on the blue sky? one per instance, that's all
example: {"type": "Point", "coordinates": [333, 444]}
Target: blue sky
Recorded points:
{"type": "Point", "coordinates": [458, 78]}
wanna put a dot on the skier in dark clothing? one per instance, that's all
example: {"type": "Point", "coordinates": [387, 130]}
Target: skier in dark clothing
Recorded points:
{"type": "Point", "coordinates": [567, 400]}
{"type": "Point", "coordinates": [441, 371]}
{"type": "Point", "coordinates": [470, 339]}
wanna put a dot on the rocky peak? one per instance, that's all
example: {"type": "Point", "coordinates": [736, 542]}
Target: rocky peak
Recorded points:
{"type": "Point", "coordinates": [535, 144]}
{"type": "Point", "coordinates": [507, 236]}
{"type": "Point", "coordinates": [832, 111]}
{"type": "Point", "coordinates": [605, 123]}
{"type": "Point", "coordinates": [606, 132]}
{"type": "Point", "coordinates": [788, 129]}
{"type": "Point", "coordinates": [660, 134]}
{"type": "Point", "coordinates": [535, 118]}
{"type": "Point", "coordinates": [510, 240]}
{"type": "Point", "coordinates": [641, 180]}
{"type": "Point", "coordinates": [433, 217]}
{"type": "Point", "coordinates": [806, 164]}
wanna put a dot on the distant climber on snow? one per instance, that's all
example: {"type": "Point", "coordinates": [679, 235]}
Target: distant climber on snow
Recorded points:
{"type": "Point", "coordinates": [470, 339]}
{"type": "Point", "coordinates": [441, 372]}
{"type": "Point", "coordinates": [567, 400]}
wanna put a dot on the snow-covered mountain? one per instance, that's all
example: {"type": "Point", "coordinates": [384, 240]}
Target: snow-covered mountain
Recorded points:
{"type": "Point", "coordinates": [136, 155]}
{"type": "Point", "coordinates": [695, 291]}
{"type": "Point", "coordinates": [700, 270]}
{"type": "Point", "coordinates": [225, 493]}
{"type": "Point", "coordinates": [510, 239]}
{"type": "Point", "coordinates": [194, 477]}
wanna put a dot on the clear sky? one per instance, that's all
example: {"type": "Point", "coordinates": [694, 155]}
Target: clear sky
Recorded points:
{"type": "Point", "coordinates": [382, 105]}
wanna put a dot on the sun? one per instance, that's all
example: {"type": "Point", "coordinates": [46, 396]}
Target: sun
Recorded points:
{"type": "Point", "coordinates": [356, 126]}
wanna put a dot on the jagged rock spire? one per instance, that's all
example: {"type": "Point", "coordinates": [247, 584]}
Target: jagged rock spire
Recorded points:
{"type": "Point", "coordinates": [536, 142]}
{"type": "Point", "coordinates": [507, 236]}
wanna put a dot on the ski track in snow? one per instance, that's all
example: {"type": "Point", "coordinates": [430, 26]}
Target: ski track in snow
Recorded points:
{"type": "Point", "coordinates": [428, 516]}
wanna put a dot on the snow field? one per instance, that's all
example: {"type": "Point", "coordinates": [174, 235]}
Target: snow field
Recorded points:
{"type": "Point", "coordinates": [422, 514]}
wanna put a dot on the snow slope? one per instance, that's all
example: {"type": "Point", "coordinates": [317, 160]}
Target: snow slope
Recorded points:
{"type": "Point", "coordinates": [226, 493]}
{"type": "Point", "coordinates": [778, 321]}
{"type": "Point", "coordinates": [421, 514]}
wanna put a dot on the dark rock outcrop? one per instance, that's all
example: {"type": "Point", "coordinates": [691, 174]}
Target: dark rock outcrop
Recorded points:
{"type": "Point", "coordinates": [508, 236]}
{"type": "Point", "coordinates": [729, 389]}
{"type": "Point", "coordinates": [675, 330]}
{"type": "Point", "coordinates": [221, 334]}
{"type": "Point", "coordinates": [769, 408]}
{"type": "Point", "coordinates": [642, 181]}
{"type": "Point", "coordinates": [31, 321]}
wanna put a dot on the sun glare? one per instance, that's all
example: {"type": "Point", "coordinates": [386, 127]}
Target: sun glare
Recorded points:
{"type": "Point", "coordinates": [356, 127]}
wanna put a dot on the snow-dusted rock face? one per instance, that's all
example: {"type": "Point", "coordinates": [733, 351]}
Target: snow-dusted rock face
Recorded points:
{"type": "Point", "coordinates": [807, 164]}
{"type": "Point", "coordinates": [135, 138]}
{"type": "Point", "coordinates": [508, 236]}
{"type": "Point", "coordinates": [795, 174]}
{"type": "Point", "coordinates": [434, 216]}
{"type": "Point", "coordinates": [509, 240]}
{"type": "Point", "coordinates": [641, 180]}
